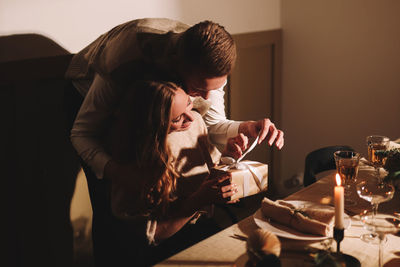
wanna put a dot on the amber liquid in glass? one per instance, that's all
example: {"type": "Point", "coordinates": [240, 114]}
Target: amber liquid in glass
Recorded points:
{"type": "Point", "coordinates": [348, 171]}
{"type": "Point", "coordinates": [376, 160]}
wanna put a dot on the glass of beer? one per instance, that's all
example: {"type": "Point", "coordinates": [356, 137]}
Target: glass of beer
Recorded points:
{"type": "Point", "coordinates": [377, 143]}
{"type": "Point", "coordinates": [347, 163]}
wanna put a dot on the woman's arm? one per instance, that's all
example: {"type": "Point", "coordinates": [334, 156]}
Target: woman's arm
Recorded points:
{"type": "Point", "coordinates": [213, 190]}
{"type": "Point", "coordinates": [127, 205]}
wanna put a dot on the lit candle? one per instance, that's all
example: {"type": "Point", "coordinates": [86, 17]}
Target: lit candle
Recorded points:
{"type": "Point", "coordinates": [339, 203]}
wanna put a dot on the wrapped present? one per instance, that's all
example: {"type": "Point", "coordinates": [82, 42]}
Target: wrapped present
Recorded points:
{"type": "Point", "coordinates": [250, 176]}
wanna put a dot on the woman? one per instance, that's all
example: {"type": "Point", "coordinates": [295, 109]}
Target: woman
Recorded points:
{"type": "Point", "coordinates": [156, 131]}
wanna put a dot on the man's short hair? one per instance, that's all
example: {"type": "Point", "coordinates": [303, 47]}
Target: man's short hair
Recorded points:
{"type": "Point", "coordinates": [207, 47]}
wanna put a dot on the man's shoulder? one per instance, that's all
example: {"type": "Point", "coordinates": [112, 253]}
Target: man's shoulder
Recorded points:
{"type": "Point", "coordinates": [127, 46]}
{"type": "Point", "coordinates": [156, 25]}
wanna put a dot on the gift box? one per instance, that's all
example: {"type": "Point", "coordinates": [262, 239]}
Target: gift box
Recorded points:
{"type": "Point", "coordinates": [250, 176]}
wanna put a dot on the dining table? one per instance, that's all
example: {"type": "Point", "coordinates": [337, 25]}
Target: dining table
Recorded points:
{"type": "Point", "coordinates": [228, 247]}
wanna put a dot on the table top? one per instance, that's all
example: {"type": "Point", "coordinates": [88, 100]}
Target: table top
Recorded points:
{"type": "Point", "coordinates": [223, 249]}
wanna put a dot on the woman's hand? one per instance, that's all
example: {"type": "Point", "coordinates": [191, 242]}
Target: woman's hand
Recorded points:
{"type": "Point", "coordinates": [236, 146]}
{"type": "Point", "coordinates": [216, 189]}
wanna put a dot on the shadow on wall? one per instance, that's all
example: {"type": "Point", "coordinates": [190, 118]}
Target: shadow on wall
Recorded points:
{"type": "Point", "coordinates": [41, 166]}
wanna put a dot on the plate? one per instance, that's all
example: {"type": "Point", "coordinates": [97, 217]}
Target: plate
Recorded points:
{"type": "Point", "coordinates": [287, 232]}
{"type": "Point", "coordinates": [286, 259]}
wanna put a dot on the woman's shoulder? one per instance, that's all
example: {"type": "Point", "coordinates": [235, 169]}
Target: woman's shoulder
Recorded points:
{"type": "Point", "coordinates": [190, 137]}
{"type": "Point", "coordinates": [198, 122]}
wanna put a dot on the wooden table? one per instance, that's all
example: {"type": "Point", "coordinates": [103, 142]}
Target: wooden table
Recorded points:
{"type": "Point", "coordinates": [222, 249]}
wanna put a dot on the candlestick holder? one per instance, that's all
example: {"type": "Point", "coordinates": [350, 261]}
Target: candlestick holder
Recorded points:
{"type": "Point", "coordinates": [338, 235]}
{"type": "Point", "coordinates": [344, 259]}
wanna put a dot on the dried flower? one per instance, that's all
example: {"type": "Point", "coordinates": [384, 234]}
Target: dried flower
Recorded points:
{"type": "Point", "coordinates": [392, 163]}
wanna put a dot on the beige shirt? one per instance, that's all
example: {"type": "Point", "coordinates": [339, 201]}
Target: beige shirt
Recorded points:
{"type": "Point", "coordinates": [193, 154]}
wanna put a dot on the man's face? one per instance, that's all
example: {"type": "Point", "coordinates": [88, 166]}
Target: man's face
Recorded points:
{"type": "Point", "coordinates": [201, 86]}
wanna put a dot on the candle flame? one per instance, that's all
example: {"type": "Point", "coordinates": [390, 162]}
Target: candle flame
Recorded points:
{"type": "Point", "coordinates": [338, 180]}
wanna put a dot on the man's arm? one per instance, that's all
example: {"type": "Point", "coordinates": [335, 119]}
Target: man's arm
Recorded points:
{"type": "Point", "coordinates": [90, 124]}
{"type": "Point", "coordinates": [266, 129]}
{"type": "Point", "coordinates": [220, 129]}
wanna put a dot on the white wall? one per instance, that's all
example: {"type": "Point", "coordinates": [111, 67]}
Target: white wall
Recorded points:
{"type": "Point", "coordinates": [75, 23]}
{"type": "Point", "coordinates": [341, 75]}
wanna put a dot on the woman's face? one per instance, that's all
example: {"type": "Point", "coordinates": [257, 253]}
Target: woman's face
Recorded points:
{"type": "Point", "coordinates": [181, 112]}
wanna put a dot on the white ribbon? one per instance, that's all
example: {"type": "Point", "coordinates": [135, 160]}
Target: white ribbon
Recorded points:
{"type": "Point", "coordinates": [252, 146]}
{"type": "Point", "coordinates": [237, 164]}
{"type": "Point", "coordinates": [257, 176]}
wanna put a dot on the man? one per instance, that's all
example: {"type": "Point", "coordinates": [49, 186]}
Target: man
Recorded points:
{"type": "Point", "coordinates": [199, 58]}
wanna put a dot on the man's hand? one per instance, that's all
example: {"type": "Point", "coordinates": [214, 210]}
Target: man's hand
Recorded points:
{"type": "Point", "coordinates": [266, 129]}
{"type": "Point", "coordinates": [236, 146]}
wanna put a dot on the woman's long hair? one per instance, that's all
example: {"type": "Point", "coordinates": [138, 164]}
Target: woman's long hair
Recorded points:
{"type": "Point", "coordinates": [145, 112]}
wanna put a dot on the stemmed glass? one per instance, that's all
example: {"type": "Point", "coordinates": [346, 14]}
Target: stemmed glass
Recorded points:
{"type": "Point", "coordinates": [377, 143]}
{"type": "Point", "coordinates": [375, 192]}
{"type": "Point", "coordinates": [347, 163]}
{"type": "Point", "coordinates": [380, 225]}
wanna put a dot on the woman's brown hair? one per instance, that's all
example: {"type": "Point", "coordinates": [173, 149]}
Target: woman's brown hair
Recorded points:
{"type": "Point", "coordinates": [144, 113]}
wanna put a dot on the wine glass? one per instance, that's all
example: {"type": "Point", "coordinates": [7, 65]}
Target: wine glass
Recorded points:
{"type": "Point", "coordinates": [347, 163]}
{"type": "Point", "coordinates": [380, 225]}
{"type": "Point", "coordinates": [377, 143]}
{"type": "Point", "coordinates": [375, 192]}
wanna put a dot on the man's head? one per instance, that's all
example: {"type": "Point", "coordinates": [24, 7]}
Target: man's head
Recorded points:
{"type": "Point", "coordinates": [207, 54]}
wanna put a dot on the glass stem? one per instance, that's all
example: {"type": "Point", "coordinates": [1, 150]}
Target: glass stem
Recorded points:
{"type": "Point", "coordinates": [374, 209]}
{"type": "Point", "coordinates": [380, 251]}
{"type": "Point", "coordinates": [378, 176]}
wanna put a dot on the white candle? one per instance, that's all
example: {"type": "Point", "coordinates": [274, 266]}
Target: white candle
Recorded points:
{"type": "Point", "coordinates": [339, 203]}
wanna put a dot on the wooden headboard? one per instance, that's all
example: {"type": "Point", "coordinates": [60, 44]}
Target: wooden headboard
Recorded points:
{"type": "Point", "coordinates": [39, 164]}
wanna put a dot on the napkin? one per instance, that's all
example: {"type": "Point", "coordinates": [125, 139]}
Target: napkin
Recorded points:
{"type": "Point", "coordinates": [311, 220]}
{"type": "Point", "coordinates": [394, 144]}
